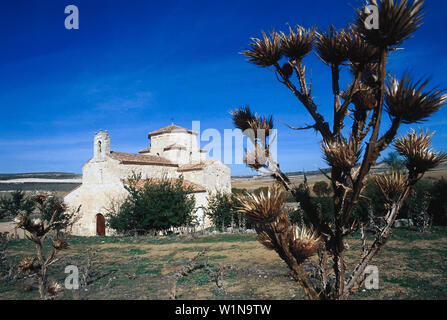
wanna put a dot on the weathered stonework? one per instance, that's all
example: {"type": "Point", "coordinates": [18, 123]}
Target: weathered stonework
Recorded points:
{"type": "Point", "coordinates": [174, 152]}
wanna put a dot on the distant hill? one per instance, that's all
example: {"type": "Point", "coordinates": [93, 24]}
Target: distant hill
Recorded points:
{"type": "Point", "coordinates": [257, 181]}
{"type": "Point", "coordinates": [380, 167]}
{"type": "Point", "coordinates": [40, 181]}
{"type": "Point", "coordinates": [40, 175]}
{"type": "Point", "coordinates": [65, 181]}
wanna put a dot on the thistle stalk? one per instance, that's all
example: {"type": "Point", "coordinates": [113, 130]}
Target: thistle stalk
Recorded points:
{"type": "Point", "coordinates": [366, 52]}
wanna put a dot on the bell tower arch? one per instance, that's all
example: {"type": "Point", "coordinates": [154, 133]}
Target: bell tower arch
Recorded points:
{"type": "Point", "coordinates": [101, 147]}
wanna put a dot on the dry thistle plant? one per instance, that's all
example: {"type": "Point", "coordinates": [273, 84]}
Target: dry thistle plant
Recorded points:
{"type": "Point", "coordinates": [6, 267]}
{"type": "Point", "coordinates": [52, 218]}
{"type": "Point", "coordinates": [185, 271]}
{"type": "Point", "coordinates": [350, 151]}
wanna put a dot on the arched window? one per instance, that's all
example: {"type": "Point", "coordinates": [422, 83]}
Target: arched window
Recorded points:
{"type": "Point", "coordinates": [99, 147]}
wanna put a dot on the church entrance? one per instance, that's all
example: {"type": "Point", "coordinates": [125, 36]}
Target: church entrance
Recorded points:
{"type": "Point", "coordinates": [100, 225]}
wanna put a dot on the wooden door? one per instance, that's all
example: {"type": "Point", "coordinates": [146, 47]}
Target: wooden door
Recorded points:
{"type": "Point", "coordinates": [100, 225]}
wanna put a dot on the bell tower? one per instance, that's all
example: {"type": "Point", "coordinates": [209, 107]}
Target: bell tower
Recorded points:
{"type": "Point", "coordinates": [101, 146]}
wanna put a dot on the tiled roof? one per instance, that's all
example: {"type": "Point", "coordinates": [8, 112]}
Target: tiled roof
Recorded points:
{"type": "Point", "coordinates": [145, 150]}
{"type": "Point", "coordinates": [192, 167]}
{"type": "Point", "coordinates": [174, 146]}
{"type": "Point", "coordinates": [171, 128]}
{"type": "Point", "coordinates": [131, 158]}
{"type": "Point", "coordinates": [186, 184]}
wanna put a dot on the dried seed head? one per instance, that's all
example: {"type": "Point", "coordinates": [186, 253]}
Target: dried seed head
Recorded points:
{"type": "Point", "coordinates": [266, 240]}
{"type": "Point", "coordinates": [304, 243]}
{"type": "Point", "coordinates": [261, 124]}
{"type": "Point", "coordinates": [28, 264]}
{"type": "Point", "coordinates": [265, 207]}
{"type": "Point", "coordinates": [244, 119]}
{"type": "Point", "coordinates": [53, 289]}
{"type": "Point", "coordinates": [298, 43]}
{"type": "Point", "coordinates": [407, 101]}
{"type": "Point", "coordinates": [60, 243]}
{"type": "Point", "coordinates": [364, 98]}
{"type": "Point", "coordinates": [341, 153]}
{"type": "Point", "coordinates": [24, 222]}
{"type": "Point", "coordinates": [282, 223]}
{"type": "Point", "coordinates": [397, 21]}
{"type": "Point", "coordinates": [36, 222]}
{"type": "Point", "coordinates": [264, 52]}
{"type": "Point", "coordinates": [392, 186]}
{"type": "Point", "coordinates": [257, 158]}
{"type": "Point", "coordinates": [331, 46]}
{"type": "Point", "coordinates": [40, 198]}
{"type": "Point", "coordinates": [416, 149]}
{"type": "Point", "coordinates": [360, 53]}
{"type": "Point", "coordinates": [59, 207]}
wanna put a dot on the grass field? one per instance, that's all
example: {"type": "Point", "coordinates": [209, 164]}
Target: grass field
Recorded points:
{"type": "Point", "coordinates": [412, 266]}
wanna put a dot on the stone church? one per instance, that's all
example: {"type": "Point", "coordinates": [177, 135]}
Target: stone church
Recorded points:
{"type": "Point", "coordinates": [173, 152]}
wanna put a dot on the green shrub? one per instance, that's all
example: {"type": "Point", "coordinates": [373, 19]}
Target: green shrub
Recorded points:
{"type": "Point", "coordinates": [16, 202]}
{"type": "Point", "coordinates": [424, 190]}
{"type": "Point", "coordinates": [394, 161]}
{"type": "Point", "coordinates": [438, 204]}
{"type": "Point", "coordinates": [222, 210]}
{"type": "Point", "coordinates": [322, 188]}
{"type": "Point", "coordinates": [157, 206]}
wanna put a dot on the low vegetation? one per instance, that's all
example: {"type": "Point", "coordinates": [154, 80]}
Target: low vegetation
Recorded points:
{"type": "Point", "coordinates": [223, 213]}
{"type": "Point", "coordinates": [11, 206]}
{"type": "Point", "coordinates": [44, 221]}
{"type": "Point", "coordinates": [412, 266]}
{"type": "Point", "coordinates": [154, 206]}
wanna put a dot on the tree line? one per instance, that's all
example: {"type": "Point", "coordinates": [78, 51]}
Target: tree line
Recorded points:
{"type": "Point", "coordinates": [163, 205]}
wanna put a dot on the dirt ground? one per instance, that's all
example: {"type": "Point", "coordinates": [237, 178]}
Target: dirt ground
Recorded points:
{"type": "Point", "coordinates": [413, 266]}
{"type": "Point", "coordinates": [11, 229]}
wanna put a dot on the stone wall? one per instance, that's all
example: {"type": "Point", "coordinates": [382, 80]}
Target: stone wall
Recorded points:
{"type": "Point", "coordinates": [189, 141]}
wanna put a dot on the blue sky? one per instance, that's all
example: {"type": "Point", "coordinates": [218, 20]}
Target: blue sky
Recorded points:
{"type": "Point", "coordinates": [133, 66]}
